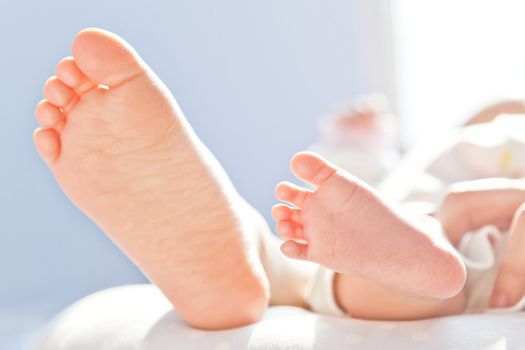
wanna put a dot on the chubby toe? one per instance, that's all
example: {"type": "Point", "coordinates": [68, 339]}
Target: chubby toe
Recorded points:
{"type": "Point", "coordinates": [288, 192]}
{"type": "Point", "coordinates": [289, 230]}
{"type": "Point", "coordinates": [69, 73]}
{"type": "Point", "coordinates": [105, 58]}
{"type": "Point", "coordinates": [281, 212]}
{"type": "Point", "coordinates": [295, 250]}
{"type": "Point", "coordinates": [311, 168]}
{"type": "Point", "coordinates": [48, 115]}
{"type": "Point", "coordinates": [47, 143]}
{"type": "Point", "coordinates": [58, 93]}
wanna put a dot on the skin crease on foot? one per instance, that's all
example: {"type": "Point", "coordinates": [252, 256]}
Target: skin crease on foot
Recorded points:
{"type": "Point", "coordinates": [345, 225]}
{"type": "Point", "coordinates": [122, 151]}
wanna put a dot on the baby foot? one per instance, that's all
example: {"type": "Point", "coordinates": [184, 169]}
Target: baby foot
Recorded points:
{"type": "Point", "coordinates": [345, 225]}
{"type": "Point", "coordinates": [122, 151]}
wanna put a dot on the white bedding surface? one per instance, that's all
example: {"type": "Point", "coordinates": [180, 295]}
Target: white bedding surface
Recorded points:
{"type": "Point", "coordinates": [139, 317]}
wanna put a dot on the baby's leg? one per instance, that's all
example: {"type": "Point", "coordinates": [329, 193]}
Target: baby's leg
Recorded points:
{"type": "Point", "coordinates": [346, 226]}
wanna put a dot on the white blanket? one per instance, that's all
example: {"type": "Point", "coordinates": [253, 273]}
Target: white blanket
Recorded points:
{"type": "Point", "coordinates": [139, 317]}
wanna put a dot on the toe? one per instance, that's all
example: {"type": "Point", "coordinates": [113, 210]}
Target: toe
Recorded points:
{"type": "Point", "coordinates": [58, 93]}
{"type": "Point", "coordinates": [509, 287]}
{"type": "Point", "coordinates": [105, 58]}
{"type": "Point", "coordinates": [295, 250]}
{"type": "Point", "coordinates": [68, 73]}
{"type": "Point", "coordinates": [291, 193]}
{"type": "Point", "coordinates": [47, 143]}
{"type": "Point", "coordinates": [281, 212]}
{"type": "Point", "coordinates": [289, 230]}
{"type": "Point", "coordinates": [49, 115]}
{"type": "Point", "coordinates": [311, 168]}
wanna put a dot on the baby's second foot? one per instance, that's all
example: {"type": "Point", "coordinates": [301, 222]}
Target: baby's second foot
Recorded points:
{"type": "Point", "coordinates": [345, 225]}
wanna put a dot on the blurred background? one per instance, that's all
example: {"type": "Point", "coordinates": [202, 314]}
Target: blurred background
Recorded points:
{"type": "Point", "coordinates": [253, 79]}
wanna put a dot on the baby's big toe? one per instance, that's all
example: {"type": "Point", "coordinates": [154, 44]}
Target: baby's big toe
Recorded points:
{"type": "Point", "coordinates": [311, 168]}
{"type": "Point", "coordinates": [105, 58]}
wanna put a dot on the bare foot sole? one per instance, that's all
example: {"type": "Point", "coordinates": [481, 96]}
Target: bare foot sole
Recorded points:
{"type": "Point", "coordinates": [345, 225]}
{"type": "Point", "coordinates": [122, 151]}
